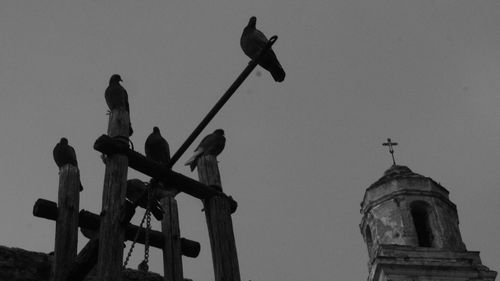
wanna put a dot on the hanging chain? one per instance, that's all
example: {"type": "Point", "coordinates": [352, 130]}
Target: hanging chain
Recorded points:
{"type": "Point", "coordinates": [135, 241]}
{"type": "Point", "coordinates": [143, 266]}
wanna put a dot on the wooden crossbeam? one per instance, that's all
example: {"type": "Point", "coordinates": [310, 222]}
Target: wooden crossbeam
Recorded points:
{"type": "Point", "coordinates": [108, 145]}
{"type": "Point", "coordinates": [48, 210]}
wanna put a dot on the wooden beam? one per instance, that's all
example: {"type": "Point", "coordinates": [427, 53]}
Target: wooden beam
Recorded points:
{"type": "Point", "coordinates": [220, 103]}
{"type": "Point", "coordinates": [66, 243]}
{"type": "Point", "coordinates": [84, 262]}
{"type": "Point", "coordinates": [48, 210]}
{"type": "Point", "coordinates": [112, 231]}
{"type": "Point", "coordinates": [172, 253]}
{"type": "Point", "coordinates": [218, 211]}
{"type": "Point", "coordinates": [109, 146]}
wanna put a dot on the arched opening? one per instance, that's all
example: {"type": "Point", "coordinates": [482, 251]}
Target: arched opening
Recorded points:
{"type": "Point", "coordinates": [420, 213]}
{"type": "Point", "coordinates": [368, 237]}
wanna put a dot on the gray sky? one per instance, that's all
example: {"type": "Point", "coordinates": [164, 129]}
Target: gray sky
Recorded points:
{"type": "Point", "coordinates": [299, 154]}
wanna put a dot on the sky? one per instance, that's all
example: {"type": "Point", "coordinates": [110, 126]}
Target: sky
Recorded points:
{"type": "Point", "coordinates": [299, 154]}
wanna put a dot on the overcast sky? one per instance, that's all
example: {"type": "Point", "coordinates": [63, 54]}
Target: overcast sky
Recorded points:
{"type": "Point", "coordinates": [299, 154]}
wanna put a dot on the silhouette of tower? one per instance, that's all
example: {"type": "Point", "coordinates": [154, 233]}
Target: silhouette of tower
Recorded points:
{"type": "Point", "coordinates": [410, 227]}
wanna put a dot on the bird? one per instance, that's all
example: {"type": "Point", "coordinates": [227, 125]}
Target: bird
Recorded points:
{"type": "Point", "coordinates": [252, 42]}
{"type": "Point", "coordinates": [116, 96]}
{"type": "Point", "coordinates": [212, 144]}
{"type": "Point", "coordinates": [135, 188]}
{"type": "Point", "coordinates": [64, 154]}
{"type": "Point", "coordinates": [156, 147]}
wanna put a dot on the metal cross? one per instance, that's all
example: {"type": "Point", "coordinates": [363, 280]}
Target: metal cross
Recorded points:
{"type": "Point", "coordinates": [390, 144]}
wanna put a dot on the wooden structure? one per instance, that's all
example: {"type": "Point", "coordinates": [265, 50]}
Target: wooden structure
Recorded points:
{"type": "Point", "coordinates": [113, 225]}
{"type": "Point", "coordinates": [111, 234]}
{"type": "Point", "coordinates": [172, 248]}
{"type": "Point", "coordinates": [106, 248]}
{"type": "Point", "coordinates": [65, 246]}
{"type": "Point", "coordinates": [218, 210]}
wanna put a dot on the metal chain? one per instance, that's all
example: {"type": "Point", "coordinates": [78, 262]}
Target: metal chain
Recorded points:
{"type": "Point", "coordinates": [135, 241]}
{"type": "Point", "coordinates": [144, 264]}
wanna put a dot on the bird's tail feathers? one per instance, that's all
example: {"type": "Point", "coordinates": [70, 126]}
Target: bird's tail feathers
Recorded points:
{"type": "Point", "coordinates": [278, 73]}
{"type": "Point", "coordinates": [193, 165]}
{"type": "Point", "coordinates": [192, 161]}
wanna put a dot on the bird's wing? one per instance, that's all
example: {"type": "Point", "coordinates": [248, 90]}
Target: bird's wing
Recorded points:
{"type": "Point", "coordinates": [219, 145]}
{"type": "Point", "coordinates": [252, 41]}
{"type": "Point", "coordinates": [125, 97]}
{"type": "Point", "coordinates": [270, 63]}
{"type": "Point", "coordinates": [259, 38]}
{"type": "Point", "coordinates": [55, 154]}
{"type": "Point", "coordinates": [148, 146]}
{"type": "Point", "coordinates": [72, 156]}
{"type": "Point", "coordinates": [166, 151]}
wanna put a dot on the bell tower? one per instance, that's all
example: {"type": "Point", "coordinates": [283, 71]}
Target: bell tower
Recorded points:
{"type": "Point", "coordinates": [411, 231]}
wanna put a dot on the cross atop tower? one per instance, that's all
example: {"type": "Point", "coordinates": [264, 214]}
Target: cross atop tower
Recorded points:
{"type": "Point", "coordinates": [390, 144]}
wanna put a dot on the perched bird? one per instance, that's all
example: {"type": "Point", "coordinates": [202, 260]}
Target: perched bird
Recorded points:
{"type": "Point", "coordinates": [135, 189]}
{"type": "Point", "coordinates": [212, 144]}
{"type": "Point", "coordinates": [252, 41]}
{"type": "Point", "coordinates": [156, 147]}
{"type": "Point", "coordinates": [117, 97]}
{"type": "Point", "coordinates": [65, 154]}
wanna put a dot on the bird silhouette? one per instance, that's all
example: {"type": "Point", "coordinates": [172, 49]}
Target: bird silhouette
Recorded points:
{"type": "Point", "coordinates": [156, 147]}
{"type": "Point", "coordinates": [252, 42]}
{"type": "Point", "coordinates": [64, 154]}
{"type": "Point", "coordinates": [212, 144]}
{"type": "Point", "coordinates": [135, 189]}
{"type": "Point", "coordinates": [116, 96]}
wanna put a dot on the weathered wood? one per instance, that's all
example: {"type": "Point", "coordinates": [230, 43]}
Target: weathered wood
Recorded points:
{"type": "Point", "coordinates": [172, 257]}
{"type": "Point", "coordinates": [87, 258]}
{"type": "Point", "coordinates": [220, 226]}
{"type": "Point", "coordinates": [140, 163]}
{"type": "Point", "coordinates": [84, 262]}
{"type": "Point", "coordinates": [48, 210]}
{"type": "Point", "coordinates": [66, 242]}
{"type": "Point", "coordinates": [112, 231]}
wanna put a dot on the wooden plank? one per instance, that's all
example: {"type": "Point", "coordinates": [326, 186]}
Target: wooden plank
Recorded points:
{"type": "Point", "coordinates": [218, 211]}
{"type": "Point", "coordinates": [66, 241]}
{"type": "Point", "coordinates": [112, 231]}
{"type": "Point", "coordinates": [172, 254]}
{"type": "Point", "coordinates": [48, 210]}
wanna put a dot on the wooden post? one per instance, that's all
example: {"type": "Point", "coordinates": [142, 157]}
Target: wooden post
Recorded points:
{"type": "Point", "coordinates": [172, 253]}
{"type": "Point", "coordinates": [220, 226]}
{"type": "Point", "coordinates": [112, 230]}
{"type": "Point", "coordinates": [66, 243]}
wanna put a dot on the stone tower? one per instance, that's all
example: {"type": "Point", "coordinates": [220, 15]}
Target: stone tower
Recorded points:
{"type": "Point", "coordinates": [410, 227]}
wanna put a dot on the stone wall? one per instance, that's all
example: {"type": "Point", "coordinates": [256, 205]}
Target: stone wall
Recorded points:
{"type": "Point", "coordinates": [21, 265]}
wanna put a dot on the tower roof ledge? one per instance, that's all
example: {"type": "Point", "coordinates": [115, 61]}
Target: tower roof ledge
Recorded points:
{"type": "Point", "coordinates": [398, 178]}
